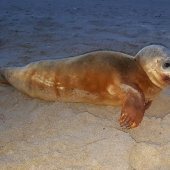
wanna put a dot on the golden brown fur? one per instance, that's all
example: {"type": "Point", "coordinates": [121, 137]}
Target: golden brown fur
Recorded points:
{"type": "Point", "coordinates": [91, 73]}
{"type": "Point", "coordinates": [101, 77]}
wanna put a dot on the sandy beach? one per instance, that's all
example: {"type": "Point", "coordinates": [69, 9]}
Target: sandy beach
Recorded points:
{"type": "Point", "coordinates": [39, 135]}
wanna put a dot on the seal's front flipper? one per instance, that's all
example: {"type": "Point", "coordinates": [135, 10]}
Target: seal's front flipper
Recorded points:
{"type": "Point", "coordinates": [3, 80]}
{"type": "Point", "coordinates": [133, 107]}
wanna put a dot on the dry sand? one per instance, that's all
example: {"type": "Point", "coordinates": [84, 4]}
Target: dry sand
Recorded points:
{"type": "Point", "coordinates": [35, 134]}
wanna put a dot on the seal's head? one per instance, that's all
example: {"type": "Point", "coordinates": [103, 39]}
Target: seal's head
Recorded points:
{"type": "Point", "coordinates": [155, 61]}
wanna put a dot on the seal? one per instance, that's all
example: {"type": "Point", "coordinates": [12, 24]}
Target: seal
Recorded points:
{"type": "Point", "coordinates": [101, 77]}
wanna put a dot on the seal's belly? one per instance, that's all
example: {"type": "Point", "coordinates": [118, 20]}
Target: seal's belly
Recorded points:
{"type": "Point", "coordinates": [74, 88]}
{"type": "Point", "coordinates": [77, 95]}
{"type": "Point", "coordinates": [56, 84]}
{"type": "Point", "coordinates": [63, 93]}
{"type": "Point", "coordinates": [63, 89]}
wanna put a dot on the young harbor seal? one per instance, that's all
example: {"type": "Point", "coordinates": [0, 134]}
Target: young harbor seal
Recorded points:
{"type": "Point", "coordinates": [101, 77]}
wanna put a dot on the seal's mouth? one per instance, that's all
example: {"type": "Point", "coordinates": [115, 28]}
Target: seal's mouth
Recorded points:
{"type": "Point", "coordinates": [166, 79]}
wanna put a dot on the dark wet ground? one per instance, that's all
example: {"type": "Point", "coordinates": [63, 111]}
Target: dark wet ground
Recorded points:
{"type": "Point", "coordinates": [33, 30]}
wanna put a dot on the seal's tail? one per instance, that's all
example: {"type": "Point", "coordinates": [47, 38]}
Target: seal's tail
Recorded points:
{"type": "Point", "coordinates": [3, 80]}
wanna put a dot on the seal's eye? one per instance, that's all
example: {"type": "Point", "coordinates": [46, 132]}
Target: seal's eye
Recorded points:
{"type": "Point", "coordinates": [166, 65]}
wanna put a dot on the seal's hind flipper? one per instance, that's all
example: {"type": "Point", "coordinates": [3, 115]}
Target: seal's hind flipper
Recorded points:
{"type": "Point", "coordinates": [3, 80]}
